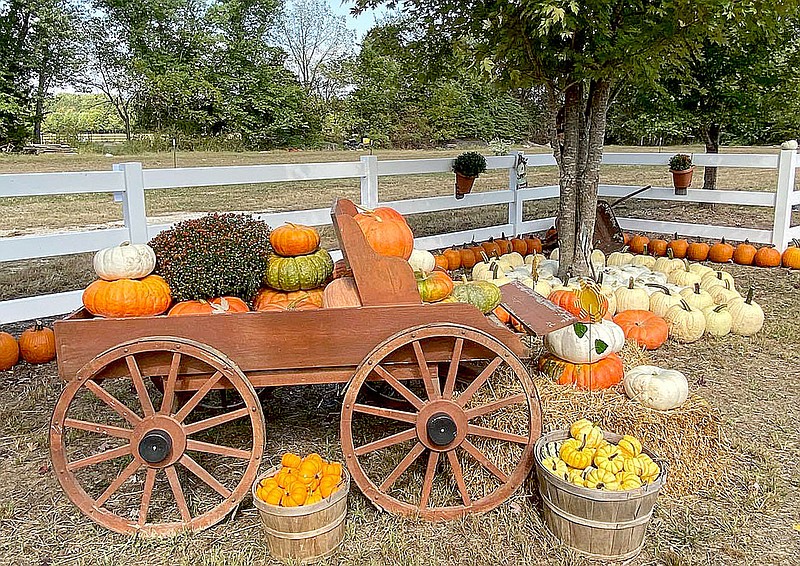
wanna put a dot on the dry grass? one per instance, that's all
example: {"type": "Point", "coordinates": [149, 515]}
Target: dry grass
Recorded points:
{"type": "Point", "coordinates": [743, 516]}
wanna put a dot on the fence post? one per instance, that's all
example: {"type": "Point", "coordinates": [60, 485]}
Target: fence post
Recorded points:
{"type": "Point", "coordinates": [369, 181]}
{"type": "Point", "coordinates": [515, 207]}
{"type": "Point", "coordinates": [787, 166]}
{"type": "Point", "coordinates": [133, 204]}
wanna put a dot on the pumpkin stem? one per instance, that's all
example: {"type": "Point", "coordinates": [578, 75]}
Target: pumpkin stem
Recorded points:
{"type": "Point", "coordinates": [464, 279]}
{"type": "Point", "coordinates": [749, 298]}
{"type": "Point", "coordinates": [645, 250]}
{"type": "Point", "coordinates": [685, 306]}
{"type": "Point", "coordinates": [670, 255]}
{"type": "Point", "coordinates": [484, 256]}
{"type": "Point", "coordinates": [721, 307]}
{"type": "Point", "coordinates": [665, 290]}
{"type": "Point", "coordinates": [38, 325]}
{"type": "Point", "coordinates": [697, 288]}
{"type": "Point", "coordinates": [630, 283]}
{"type": "Point", "coordinates": [675, 237]}
{"type": "Point", "coordinates": [494, 268]}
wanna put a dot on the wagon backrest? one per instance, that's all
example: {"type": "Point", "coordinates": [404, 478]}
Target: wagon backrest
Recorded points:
{"type": "Point", "coordinates": [380, 280]}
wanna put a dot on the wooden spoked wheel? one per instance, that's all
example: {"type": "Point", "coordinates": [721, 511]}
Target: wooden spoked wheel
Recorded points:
{"type": "Point", "coordinates": [139, 461]}
{"type": "Point", "coordinates": [464, 441]}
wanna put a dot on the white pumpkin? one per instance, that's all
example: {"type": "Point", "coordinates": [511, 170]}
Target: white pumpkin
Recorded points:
{"type": "Point", "coordinates": [697, 297]}
{"type": "Point", "coordinates": [686, 324]}
{"type": "Point", "coordinates": [125, 261]}
{"type": "Point", "coordinates": [422, 260]}
{"type": "Point", "coordinates": [608, 293]}
{"type": "Point", "coordinates": [667, 265]}
{"type": "Point", "coordinates": [632, 298]}
{"type": "Point", "coordinates": [584, 342]}
{"type": "Point", "coordinates": [598, 258]}
{"type": "Point", "coordinates": [513, 259]}
{"type": "Point", "coordinates": [655, 387]}
{"type": "Point", "coordinates": [700, 269]}
{"type": "Point", "coordinates": [716, 278]}
{"type": "Point", "coordinates": [718, 320]}
{"type": "Point", "coordinates": [723, 293]}
{"type": "Point", "coordinates": [662, 300]}
{"type": "Point", "coordinates": [619, 258]}
{"type": "Point", "coordinates": [683, 277]}
{"type": "Point", "coordinates": [647, 261]}
{"type": "Point", "coordinates": [746, 315]}
{"type": "Point", "coordinates": [652, 278]}
{"type": "Point", "coordinates": [554, 255]}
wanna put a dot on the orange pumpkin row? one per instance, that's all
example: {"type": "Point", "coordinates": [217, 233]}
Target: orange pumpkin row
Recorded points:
{"type": "Point", "coordinates": [468, 255]}
{"type": "Point", "coordinates": [37, 345]}
{"type": "Point", "coordinates": [720, 252]}
{"type": "Point", "coordinates": [300, 481]}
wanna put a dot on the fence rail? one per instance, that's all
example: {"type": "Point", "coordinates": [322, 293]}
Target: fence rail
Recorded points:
{"type": "Point", "coordinates": [128, 182]}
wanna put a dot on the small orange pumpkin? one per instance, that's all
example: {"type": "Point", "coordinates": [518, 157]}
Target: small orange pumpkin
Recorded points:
{"type": "Point", "coordinates": [638, 242]}
{"type": "Point", "coordinates": [679, 247]}
{"type": "Point", "coordinates": [441, 262]}
{"type": "Point", "coordinates": [745, 253]}
{"type": "Point", "coordinates": [453, 258]}
{"type": "Point", "coordinates": [721, 252]}
{"type": "Point", "coordinates": [386, 231]}
{"type": "Point", "coordinates": [697, 251]}
{"type": "Point", "coordinates": [9, 351]}
{"type": "Point", "coordinates": [791, 255]}
{"type": "Point", "coordinates": [219, 305]}
{"type": "Point", "coordinates": [128, 297]}
{"type": "Point", "coordinates": [598, 375]}
{"type": "Point", "coordinates": [658, 247]}
{"type": "Point", "coordinates": [519, 245]}
{"type": "Point", "coordinates": [300, 299]}
{"type": "Point", "coordinates": [294, 239]}
{"type": "Point", "coordinates": [434, 286]}
{"type": "Point", "coordinates": [468, 259]}
{"type": "Point", "coordinates": [648, 330]}
{"type": "Point", "coordinates": [767, 257]}
{"type": "Point", "coordinates": [534, 245]}
{"type": "Point", "coordinates": [491, 248]}
{"type": "Point", "coordinates": [504, 244]}
{"type": "Point", "coordinates": [37, 344]}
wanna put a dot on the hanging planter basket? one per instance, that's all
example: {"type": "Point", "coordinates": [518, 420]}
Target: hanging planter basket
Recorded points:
{"type": "Point", "coordinates": [682, 180]}
{"type": "Point", "coordinates": [463, 185]}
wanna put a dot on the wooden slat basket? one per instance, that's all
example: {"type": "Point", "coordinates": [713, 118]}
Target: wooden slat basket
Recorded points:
{"type": "Point", "coordinates": [308, 533]}
{"type": "Point", "coordinates": [608, 525]}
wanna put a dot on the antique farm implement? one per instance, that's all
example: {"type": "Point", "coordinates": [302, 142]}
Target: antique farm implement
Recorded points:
{"type": "Point", "coordinates": [137, 450]}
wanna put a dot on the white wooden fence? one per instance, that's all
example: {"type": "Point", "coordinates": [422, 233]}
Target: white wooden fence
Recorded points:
{"type": "Point", "coordinates": [129, 183]}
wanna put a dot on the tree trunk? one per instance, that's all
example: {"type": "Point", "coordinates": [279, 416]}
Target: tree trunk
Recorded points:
{"type": "Point", "coordinates": [711, 133]}
{"type": "Point", "coordinates": [38, 115]}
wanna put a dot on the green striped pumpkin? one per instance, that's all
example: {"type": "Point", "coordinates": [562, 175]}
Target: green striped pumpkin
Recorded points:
{"type": "Point", "coordinates": [299, 273]}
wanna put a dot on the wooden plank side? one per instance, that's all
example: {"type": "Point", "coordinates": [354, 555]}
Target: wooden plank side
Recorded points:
{"type": "Point", "coordinates": [537, 314]}
{"type": "Point", "coordinates": [264, 341]}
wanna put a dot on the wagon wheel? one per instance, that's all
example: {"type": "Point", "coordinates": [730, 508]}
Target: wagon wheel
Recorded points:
{"type": "Point", "coordinates": [451, 452]}
{"type": "Point", "coordinates": [171, 471]}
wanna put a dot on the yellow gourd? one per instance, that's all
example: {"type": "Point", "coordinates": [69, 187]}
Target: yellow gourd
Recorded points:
{"type": "Point", "coordinates": [290, 460]}
{"type": "Point", "coordinates": [628, 480]}
{"type": "Point", "coordinates": [575, 476]}
{"type": "Point", "coordinates": [602, 479]}
{"type": "Point", "coordinates": [556, 466]}
{"type": "Point", "coordinates": [609, 458]}
{"type": "Point", "coordinates": [575, 453]}
{"type": "Point", "coordinates": [629, 446]}
{"type": "Point", "coordinates": [650, 469]}
{"type": "Point", "coordinates": [315, 497]}
{"type": "Point", "coordinates": [585, 429]}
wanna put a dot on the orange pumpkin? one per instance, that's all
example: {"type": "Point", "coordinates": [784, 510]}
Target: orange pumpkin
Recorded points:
{"type": "Point", "coordinates": [626, 239]}
{"type": "Point", "coordinates": [679, 247]}
{"type": "Point", "coordinates": [697, 251]}
{"type": "Point", "coordinates": [505, 317]}
{"type": "Point", "coordinates": [328, 485]}
{"type": "Point", "coordinates": [504, 244]}
{"type": "Point", "coordinates": [658, 247]}
{"type": "Point", "coordinates": [9, 351]}
{"type": "Point", "coordinates": [291, 460]}
{"type": "Point", "coordinates": [791, 256]}
{"type": "Point", "coordinates": [37, 344]}
{"type": "Point", "coordinates": [128, 297]}
{"type": "Point", "coordinates": [441, 262]}
{"type": "Point", "coordinates": [386, 231]}
{"type": "Point", "coordinates": [721, 252]}
{"type": "Point", "coordinates": [477, 251]}
{"type": "Point", "coordinates": [534, 245]}
{"type": "Point", "coordinates": [648, 330]}
{"type": "Point", "coordinates": [453, 258]}
{"type": "Point", "coordinates": [490, 248]}
{"type": "Point", "coordinates": [568, 300]}
{"type": "Point", "coordinates": [599, 375]}
{"type": "Point", "coordinates": [468, 259]}
{"type": "Point", "coordinates": [434, 286]}
{"type": "Point", "coordinates": [219, 305]}
{"type": "Point", "coordinates": [300, 299]}
{"type": "Point", "coordinates": [745, 253]}
{"type": "Point", "coordinates": [292, 240]}
{"type": "Point", "coordinates": [638, 242]}
{"type": "Point", "coordinates": [767, 257]}
{"type": "Point", "coordinates": [519, 245]}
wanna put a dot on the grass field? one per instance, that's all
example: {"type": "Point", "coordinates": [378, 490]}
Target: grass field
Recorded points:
{"type": "Point", "coordinates": [752, 383]}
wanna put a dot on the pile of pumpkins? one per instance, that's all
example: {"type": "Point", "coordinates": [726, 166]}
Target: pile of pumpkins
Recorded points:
{"type": "Point", "coordinates": [744, 253]}
{"type": "Point", "coordinates": [300, 481]}
{"type": "Point", "coordinates": [36, 345]}
{"type": "Point", "coordinates": [587, 459]}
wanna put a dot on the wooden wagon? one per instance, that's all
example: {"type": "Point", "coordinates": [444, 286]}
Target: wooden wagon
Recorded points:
{"type": "Point", "coordinates": [451, 383]}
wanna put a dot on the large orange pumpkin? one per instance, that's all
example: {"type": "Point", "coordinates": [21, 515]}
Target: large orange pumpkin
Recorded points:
{"type": "Point", "coordinates": [599, 375]}
{"type": "Point", "coordinates": [791, 255]}
{"type": "Point", "coordinates": [219, 305]}
{"type": "Point", "coordinates": [9, 351]}
{"type": "Point", "coordinates": [648, 330]}
{"type": "Point", "coordinates": [37, 344]}
{"type": "Point", "coordinates": [267, 297]}
{"type": "Point", "coordinates": [294, 239]}
{"type": "Point", "coordinates": [745, 253]}
{"type": "Point", "coordinates": [679, 247]}
{"type": "Point", "coordinates": [386, 232]}
{"type": "Point", "coordinates": [767, 257]}
{"type": "Point", "coordinates": [721, 252]}
{"type": "Point", "coordinates": [128, 297]}
{"type": "Point", "coordinates": [697, 251]}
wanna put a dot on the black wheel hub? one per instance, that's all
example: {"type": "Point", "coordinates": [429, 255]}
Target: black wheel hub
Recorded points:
{"type": "Point", "coordinates": [155, 446]}
{"type": "Point", "coordinates": [441, 429]}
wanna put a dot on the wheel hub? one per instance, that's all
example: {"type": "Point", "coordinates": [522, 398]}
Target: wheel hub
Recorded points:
{"type": "Point", "coordinates": [442, 429]}
{"type": "Point", "coordinates": [155, 446]}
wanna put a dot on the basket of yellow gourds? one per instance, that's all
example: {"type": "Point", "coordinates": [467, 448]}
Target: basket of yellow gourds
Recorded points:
{"type": "Point", "coordinates": [302, 504]}
{"type": "Point", "coordinates": [598, 489]}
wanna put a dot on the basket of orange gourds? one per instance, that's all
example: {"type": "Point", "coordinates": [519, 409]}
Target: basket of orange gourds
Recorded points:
{"type": "Point", "coordinates": [302, 504]}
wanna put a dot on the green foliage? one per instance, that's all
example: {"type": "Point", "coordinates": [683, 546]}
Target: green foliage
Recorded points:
{"type": "Point", "coordinates": [470, 164]}
{"type": "Point", "coordinates": [69, 113]}
{"type": "Point", "coordinates": [212, 256]}
{"type": "Point", "coordinates": [680, 162]}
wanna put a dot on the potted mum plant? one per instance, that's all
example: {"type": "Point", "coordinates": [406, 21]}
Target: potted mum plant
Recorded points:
{"type": "Point", "coordinates": [680, 165]}
{"type": "Point", "coordinates": [467, 167]}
